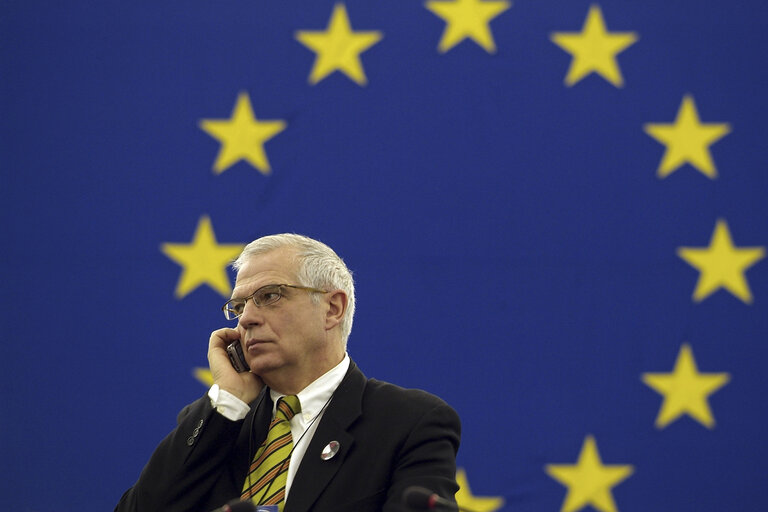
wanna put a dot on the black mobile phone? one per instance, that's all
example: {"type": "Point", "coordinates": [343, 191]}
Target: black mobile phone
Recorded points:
{"type": "Point", "coordinates": [236, 357]}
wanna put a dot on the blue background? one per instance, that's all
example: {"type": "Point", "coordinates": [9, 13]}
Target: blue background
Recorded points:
{"type": "Point", "coordinates": [513, 249]}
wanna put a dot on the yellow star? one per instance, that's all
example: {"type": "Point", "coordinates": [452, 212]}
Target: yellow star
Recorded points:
{"type": "Point", "coordinates": [685, 390]}
{"type": "Point", "coordinates": [203, 261]}
{"type": "Point", "coordinates": [589, 482]}
{"type": "Point", "coordinates": [721, 265]}
{"type": "Point", "coordinates": [203, 375]}
{"type": "Point", "coordinates": [467, 18]}
{"type": "Point", "coordinates": [338, 48]}
{"type": "Point", "coordinates": [687, 140]}
{"type": "Point", "coordinates": [594, 49]}
{"type": "Point", "coordinates": [467, 501]}
{"type": "Point", "coordinates": [242, 137]}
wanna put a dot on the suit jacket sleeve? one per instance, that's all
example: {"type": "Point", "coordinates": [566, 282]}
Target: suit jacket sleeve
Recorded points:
{"type": "Point", "coordinates": [186, 465]}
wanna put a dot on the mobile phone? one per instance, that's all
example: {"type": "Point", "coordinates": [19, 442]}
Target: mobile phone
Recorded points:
{"type": "Point", "coordinates": [235, 352]}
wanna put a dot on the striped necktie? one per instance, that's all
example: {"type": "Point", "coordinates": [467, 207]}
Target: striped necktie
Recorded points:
{"type": "Point", "coordinates": [268, 474]}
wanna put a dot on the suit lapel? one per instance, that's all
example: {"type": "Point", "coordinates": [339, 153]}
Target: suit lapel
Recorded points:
{"type": "Point", "coordinates": [314, 473]}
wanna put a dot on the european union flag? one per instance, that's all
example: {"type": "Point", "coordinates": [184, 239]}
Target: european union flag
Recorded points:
{"type": "Point", "coordinates": [555, 213]}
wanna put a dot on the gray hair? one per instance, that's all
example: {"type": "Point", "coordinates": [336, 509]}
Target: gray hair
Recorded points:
{"type": "Point", "coordinates": [318, 266]}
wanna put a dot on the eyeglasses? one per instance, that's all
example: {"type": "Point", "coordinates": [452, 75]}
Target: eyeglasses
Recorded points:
{"type": "Point", "coordinates": [264, 296]}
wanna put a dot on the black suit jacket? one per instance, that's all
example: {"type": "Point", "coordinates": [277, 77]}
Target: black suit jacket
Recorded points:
{"type": "Point", "coordinates": [390, 438]}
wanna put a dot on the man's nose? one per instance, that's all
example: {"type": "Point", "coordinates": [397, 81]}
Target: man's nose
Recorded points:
{"type": "Point", "coordinates": [252, 314]}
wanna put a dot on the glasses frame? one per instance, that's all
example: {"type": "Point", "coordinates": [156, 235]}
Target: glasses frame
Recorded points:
{"type": "Point", "coordinates": [230, 314]}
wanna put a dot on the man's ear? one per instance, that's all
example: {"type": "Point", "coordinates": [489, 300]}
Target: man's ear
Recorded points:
{"type": "Point", "coordinates": [337, 305]}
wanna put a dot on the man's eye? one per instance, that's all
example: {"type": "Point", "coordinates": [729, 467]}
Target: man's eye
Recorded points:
{"type": "Point", "coordinates": [237, 307]}
{"type": "Point", "coordinates": [267, 297]}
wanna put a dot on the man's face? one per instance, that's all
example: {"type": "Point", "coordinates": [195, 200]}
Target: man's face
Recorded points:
{"type": "Point", "coordinates": [287, 339]}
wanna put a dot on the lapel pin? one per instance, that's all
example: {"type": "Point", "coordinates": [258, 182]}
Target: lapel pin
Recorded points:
{"type": "Point", "coordinates": [330, 450]}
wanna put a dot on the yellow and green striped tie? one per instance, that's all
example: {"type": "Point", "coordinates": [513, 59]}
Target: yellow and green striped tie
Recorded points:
{"type": "Point", "coordinates": [268, 474]}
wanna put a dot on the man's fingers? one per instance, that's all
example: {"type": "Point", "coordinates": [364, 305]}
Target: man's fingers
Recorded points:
{"type": "Point", "coordinates": [223, 337]}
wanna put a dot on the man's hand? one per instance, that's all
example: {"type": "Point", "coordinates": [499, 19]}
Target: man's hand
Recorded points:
{"type": "Point", "coordinates": [246, 386]}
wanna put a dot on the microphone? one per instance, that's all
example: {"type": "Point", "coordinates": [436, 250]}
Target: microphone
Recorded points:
{"type": "Point", "coordinates": [237, 506]}
{"type": "Point", "coordinates": [421, 498]}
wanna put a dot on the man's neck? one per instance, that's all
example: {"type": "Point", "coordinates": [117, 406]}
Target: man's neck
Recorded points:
{"type": "Point", "coordinates": [292, 383]}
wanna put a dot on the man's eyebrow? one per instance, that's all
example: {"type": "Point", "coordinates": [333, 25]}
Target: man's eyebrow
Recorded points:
{"type": "Point", "coordinates": [236, 296]}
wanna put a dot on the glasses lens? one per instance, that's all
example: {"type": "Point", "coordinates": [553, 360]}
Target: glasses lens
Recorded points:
{"type": "Point", "coordinates": [264, 296]}
{"type": "Point", "coordinates": [234, 308]}
{"type": "Point", "coordinates": [267, 295]}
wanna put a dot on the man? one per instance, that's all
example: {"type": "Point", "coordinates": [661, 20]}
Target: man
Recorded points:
{"type": "Point", "coordinates": [354, 444]}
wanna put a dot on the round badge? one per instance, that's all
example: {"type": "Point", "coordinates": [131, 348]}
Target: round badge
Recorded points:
{"type": "Point", "coordinates": [330, 450]}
